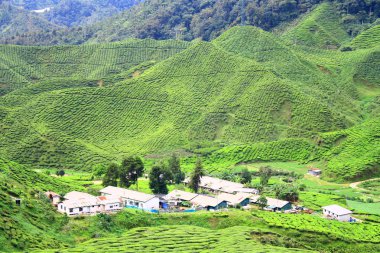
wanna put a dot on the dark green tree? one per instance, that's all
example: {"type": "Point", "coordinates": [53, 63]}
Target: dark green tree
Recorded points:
{"type": "Point", "coordinates": [60, 173]}
{"type": "Point", "coordinates": [130, 170]}
{"type": "Point", "coordinates": [111, 176]}
{"type": "Point", "coordinates": [158, 180]}
{"type": "Point", "coordinates": [265, 174]}
{"type": "Point", "coordinates": [195, 178]}
{"type": "Point", "coordinates": [262, 201]}
{"type": "Point", "coordinates": [246, 177]}
{"type": "Point", "coordinates": [175, 168]}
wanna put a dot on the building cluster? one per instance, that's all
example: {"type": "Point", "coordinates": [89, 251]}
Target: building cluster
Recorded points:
{"type": "Point", "coordinates": [222, 194]}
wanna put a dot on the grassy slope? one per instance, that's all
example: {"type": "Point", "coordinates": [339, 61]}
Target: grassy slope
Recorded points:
{"type": "Point", "coordinates": [245, 88]}
{"type": "Point", "coordinates": [321, 28]}
{"type": "Point", "coordinates": [367, 39]}
{"type": "Point", "coordinates": [180, 239]}
{"type": "Point", "coordinates": [217, 232]}
{"type": "Point", "coordinates": [34, 223]}
{"type": "Point", "coordinates": [21, 66]}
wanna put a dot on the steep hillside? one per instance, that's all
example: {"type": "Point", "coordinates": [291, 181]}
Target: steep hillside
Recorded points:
{"type": "Point", "coordinates": [201, 95]}
{"type": "Point", "coordinates": [34, 222]}
{"type": "Point", "coordinates": [22, 66]}
{"type": "Point", "coordinates": [321, 28]}
{"type": "Point", "coordinates": [367, 39]}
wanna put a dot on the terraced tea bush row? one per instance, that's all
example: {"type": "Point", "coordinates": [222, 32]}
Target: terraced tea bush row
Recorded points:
{"type": "Point", "coordinates": [360, 232]}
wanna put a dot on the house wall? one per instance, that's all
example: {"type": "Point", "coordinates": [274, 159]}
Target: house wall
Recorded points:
{"type": "Point", "coordinates": [345, 217]}
{"type": "Point", "coordinates": [245, 202]}
{"type": "Point", "coordinates": [219, 206]}
{"type": "Point", "coordinates": [154, 203]}
{"type": "Point", "coordinates": [287, 207]}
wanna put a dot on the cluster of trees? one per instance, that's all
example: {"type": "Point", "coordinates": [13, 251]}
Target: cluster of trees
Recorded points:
{"type": "Point", "coordinates": [126, 174]}
{"type": "Point", "coordinates": [166, 173]}
{"type": "Point", "coordinates": [131, 168]}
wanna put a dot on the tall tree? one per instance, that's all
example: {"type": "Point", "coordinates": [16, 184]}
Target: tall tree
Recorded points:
{"type": "Point", "coordinates": [131, 169]}
{"type": "Point", "coordinates": [265, 174]}
{"type": "Point", "coordinates": [246, 177]}
{"type": "Point", "coordinates": [111, 176]}
{"type": "Point", "coordinates": [196, 176]}
{"type": "Point", "coordinates": [175, 169]}
{"type": "Point", "coordinates": [158, 180]}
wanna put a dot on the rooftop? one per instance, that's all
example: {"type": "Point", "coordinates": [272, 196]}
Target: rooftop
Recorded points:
{"type": "Point", "coordinates": [205, 201]}
{"type": "Point", "coordinates": [177, 194]}
{"type": "Point", "coordinates": [75, 195]}
{"type": "Point", "coordinates": [234, 198]}
{"type": "Point", "coordinates": [125, 193]}
{"type": "Point", "coordinates": [278, 203]}
{"type": "Point", "coordinates": [336, 209]}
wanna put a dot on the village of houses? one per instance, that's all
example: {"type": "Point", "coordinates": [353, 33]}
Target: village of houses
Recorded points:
{"type": "Point", "coordinates": [222, 195]}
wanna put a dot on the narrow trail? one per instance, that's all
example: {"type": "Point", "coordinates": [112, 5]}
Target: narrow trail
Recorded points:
{"type": "Point", "coordinates": [355, 184]}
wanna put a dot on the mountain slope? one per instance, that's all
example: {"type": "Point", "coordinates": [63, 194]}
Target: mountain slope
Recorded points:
{"type": "Point", "coordinates": [34, 223]}
{"type": "Point", "coordinates": [235, 90]}
{"type": "Point", "coordinates": [321, 28]}
{"type": "Point", "coordinates": [22, 66]}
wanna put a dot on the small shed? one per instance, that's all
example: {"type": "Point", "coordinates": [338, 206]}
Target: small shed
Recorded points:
{"type": "Point", "coordinates": [337, 212]}
{"type": "Point", "coordinates": [54, 198]}
{"type": "Point", "coordinates": [315, 172]}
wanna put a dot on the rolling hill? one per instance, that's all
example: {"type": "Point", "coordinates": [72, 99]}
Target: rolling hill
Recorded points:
{"type": "Point", "coordinates": [97, 103]}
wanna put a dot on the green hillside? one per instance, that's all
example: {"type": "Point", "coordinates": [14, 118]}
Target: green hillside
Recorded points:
{"type": "Point", "coordinates": [34, 222]}
{"type": "Point", "coordinates": [180, 239]}
{"type": "Point", "coordinates": [321, 28]}
{"type": "Point", "coordinates": [367, 39]}
{"type": "Point", "coordinates": [245, 87]}
{"type": "Point", "coordinates": [21, 66]}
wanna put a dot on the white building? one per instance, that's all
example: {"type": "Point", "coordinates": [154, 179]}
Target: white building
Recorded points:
{"type": "Point", "coordinates": [80, 203]}
{"type": "Point", "coordinates": [132, 198]}
{"type": "Point", "coordinates": [337, 212]}
{"type": "Point", "coordinates": [218, 185]}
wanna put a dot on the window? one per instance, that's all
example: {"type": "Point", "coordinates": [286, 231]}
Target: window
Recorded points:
{"type": "Point", "coordinates": [111, 206]}
{"type": "Point", "coordinates": [80, 209]}
{"type": "Point", "coordinates": [70, 210]}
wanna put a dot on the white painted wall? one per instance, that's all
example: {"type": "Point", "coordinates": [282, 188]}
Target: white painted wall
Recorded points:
{"type": "Point", "coordinates": [345, 217]}
{"type": "Point", "coordinates": [154, 203]}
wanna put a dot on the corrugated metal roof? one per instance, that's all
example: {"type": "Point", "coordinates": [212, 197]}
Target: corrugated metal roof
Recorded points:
{"type": "Point", "coordinates": [177, 194]}
{"type": "Point", "coordinates": [234, 199]}
{"type": "Point", "coordinates": [205, 201]}
{"type": "Point", "coordinates": [336, 209]}
{"type": "Point", "coordinates": [129, 194]}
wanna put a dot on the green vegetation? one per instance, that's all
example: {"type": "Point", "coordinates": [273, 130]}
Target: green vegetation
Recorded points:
{"type": "Point", "coordinates": [360, 207]}
{"type": "Point", "coordinates": [179, 239]}
{"type": "Point", "coordinates": [305, 222]}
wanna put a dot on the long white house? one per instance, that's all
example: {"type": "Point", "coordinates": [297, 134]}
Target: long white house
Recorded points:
{"type": "Point", "coordinates": [337, 212]}
{"type": "Point", "coordinates": [217, 185]}
{"type": "Point", "coordinates": [132, 198]}
{"type": "Point", "coordinates": [80, 203]}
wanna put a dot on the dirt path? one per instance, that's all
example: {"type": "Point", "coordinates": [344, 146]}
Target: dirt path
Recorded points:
{"type": "Point", "coordinates": [355, 184]}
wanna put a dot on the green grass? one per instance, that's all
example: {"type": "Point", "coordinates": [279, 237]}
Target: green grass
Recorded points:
{"type": "Point", "coordinates": [367, 39]}
{"type": "Point", "coordinates": [360, 207]}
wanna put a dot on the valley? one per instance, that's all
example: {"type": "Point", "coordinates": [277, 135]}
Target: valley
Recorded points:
{"type": "Point", "coordinates": [291, 111]}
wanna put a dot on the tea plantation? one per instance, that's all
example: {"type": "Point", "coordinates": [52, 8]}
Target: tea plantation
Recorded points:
{"type": "Point", "coordinates": [76, 107]}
